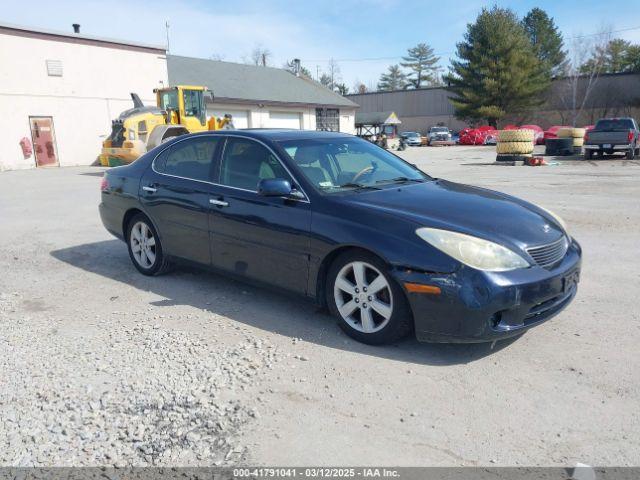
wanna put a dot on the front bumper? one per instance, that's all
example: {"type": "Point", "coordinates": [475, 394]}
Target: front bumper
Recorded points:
{"type": "Point", "coordinates": [476, 306]}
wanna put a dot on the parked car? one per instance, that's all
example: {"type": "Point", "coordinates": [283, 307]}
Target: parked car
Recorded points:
{"type": "Point", "coordinates": [612, 135]}
{"type": "Point", "coordinates": [440, 135]}
{"type": "Point", "coordinates": [413, 139]}
{"type": "Point", "coordinates": [387, 248]}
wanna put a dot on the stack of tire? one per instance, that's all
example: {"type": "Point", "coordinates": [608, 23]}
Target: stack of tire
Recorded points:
{"type": "Point", "coordinates": [577, 134]}
{"type": "Point", "coordinates": [514, 145]}
{"type": "Point", "coordinates": [569, 142]}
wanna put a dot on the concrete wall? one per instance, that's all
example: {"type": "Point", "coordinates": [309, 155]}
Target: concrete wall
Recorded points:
{"type": "Point", "coordinates": [93, 89]}
{"type": "Point", "coordinates": [611, 95]}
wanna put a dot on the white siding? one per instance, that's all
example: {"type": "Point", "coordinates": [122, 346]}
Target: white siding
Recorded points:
{"type": "Point", "coordinates": [240, 117]}
{"type": "Point", "coordinates": [285, 120]}
{"type": "Point", "coordinates": [93, 89]}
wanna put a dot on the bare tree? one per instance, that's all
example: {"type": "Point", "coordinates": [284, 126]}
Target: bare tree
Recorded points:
{"type": "Point", "coordinates": [260, 56]}
{"type": "Point", "coordinates": [584, 66]}
{"type": "Point", "coordinates": [359, 87]}
{"type": "Point", "coordinates": [333, 72]}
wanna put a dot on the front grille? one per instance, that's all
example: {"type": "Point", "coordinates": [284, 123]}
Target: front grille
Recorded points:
{"type": "Point", "coordinates": [548, 255]}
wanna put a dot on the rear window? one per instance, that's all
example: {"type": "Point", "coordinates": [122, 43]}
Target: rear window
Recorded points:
{"type": "Point", "coordinates": [615, 124]}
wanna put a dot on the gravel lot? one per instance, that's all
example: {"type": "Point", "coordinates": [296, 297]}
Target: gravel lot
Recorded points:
{"type": "Point", "coordinates": [100, 365]}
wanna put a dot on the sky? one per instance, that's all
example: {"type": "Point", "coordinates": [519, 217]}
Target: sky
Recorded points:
{"type": "Point", "coordinates": [364, 37]}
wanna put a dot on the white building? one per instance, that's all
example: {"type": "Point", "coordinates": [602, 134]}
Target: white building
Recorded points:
{"type": "Point", "coordinates": [264, 97]}
{"type": "Point", "coordinates": [61, 90]}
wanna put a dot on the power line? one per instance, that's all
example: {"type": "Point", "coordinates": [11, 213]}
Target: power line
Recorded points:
{"type": "Point", "coordinates": [603, 33]}
{"type": "Point", "coordinates": [396, 57]}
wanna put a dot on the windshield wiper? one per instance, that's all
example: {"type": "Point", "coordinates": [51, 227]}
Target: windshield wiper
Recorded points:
{"type": "Point", "coordinates": [401, 179]}
{"type": "Point", "coordinates": [358, 186]}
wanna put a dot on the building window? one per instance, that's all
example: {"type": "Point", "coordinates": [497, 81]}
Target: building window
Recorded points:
{"type": "Point", "coordinates": [328, 119]}
{"type": "Point", "coordinates": [54, 68]}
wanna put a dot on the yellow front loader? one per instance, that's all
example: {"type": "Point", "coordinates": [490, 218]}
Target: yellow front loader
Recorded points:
{"type": "Point", "coordinates": [178, 110]}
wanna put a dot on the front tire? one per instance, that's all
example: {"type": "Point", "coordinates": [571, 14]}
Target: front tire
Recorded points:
{"type": "Point", "coordinates": [145, 248]}
{"type": "Point", "coordinates": [368, 303]}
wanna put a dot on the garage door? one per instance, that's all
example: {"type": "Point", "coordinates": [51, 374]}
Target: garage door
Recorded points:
{"type": "Point", "coordinates": [240, 117]}
{"type": "Point", "coordinates": [284, 120]}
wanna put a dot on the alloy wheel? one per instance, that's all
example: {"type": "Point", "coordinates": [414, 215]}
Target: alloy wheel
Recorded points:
{"type": "Point", "coordinates": [143, 245]}
{"type": "Point", "coordinates": [363, 297]}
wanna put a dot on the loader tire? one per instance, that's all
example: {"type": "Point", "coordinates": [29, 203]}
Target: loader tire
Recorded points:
{"type": "Point", "coordinates": [516, 135]}
{"type": "Point", "coordinates": [517, 148]}
{"type": "Point", "coordinates": [558, 146]}
{"type": "Point", "coordinates": [513, 158]}
{"type": "Point", "coordinates": [571, 133]}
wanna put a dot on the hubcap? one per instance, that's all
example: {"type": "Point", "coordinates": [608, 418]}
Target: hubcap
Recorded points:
{"type": "Point", "coordinates": [143, 245]}
{"type": "Point", "coordinates": [363, 297]}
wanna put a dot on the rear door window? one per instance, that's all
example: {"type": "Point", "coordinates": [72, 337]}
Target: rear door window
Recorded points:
{"type": "Point", "coordinates": [191, 158]}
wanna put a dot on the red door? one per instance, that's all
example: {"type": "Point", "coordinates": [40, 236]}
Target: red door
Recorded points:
{"type": "Point", "coordinates": [44, 141]}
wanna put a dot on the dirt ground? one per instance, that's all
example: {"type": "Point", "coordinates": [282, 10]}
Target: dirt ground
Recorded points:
{"type": "Point", "coordinates": [100, 365]}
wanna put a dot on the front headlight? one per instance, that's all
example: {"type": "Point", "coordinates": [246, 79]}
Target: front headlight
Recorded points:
{"type": "Point", "coordinates": [557, 218]}
{"type": "Point", "coordinates": [472, 251]}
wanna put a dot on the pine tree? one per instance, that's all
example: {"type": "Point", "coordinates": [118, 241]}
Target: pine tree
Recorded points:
{"type": "Point", "coordinates": [616, 56]}
{"type": "Point", "coordinates": [325, 80]}
{"type": "Point", "coordinates": [496, 73]}
{"type": "Point", "coordinates": [342, 89]}
{"type": "Point", "coordinates": [632, 58]}
{"type": "Point", "coordinates": [394, 79]}
{"type": "Point", "coordinates": [546, 40]}
{"type": "Point", "coordinates": [423, 65]}
{"type": "Point", "coordinates": [291, 66]}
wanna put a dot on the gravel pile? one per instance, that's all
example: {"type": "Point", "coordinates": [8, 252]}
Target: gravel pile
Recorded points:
{"type": "Point", "coordinates": [121, 391]}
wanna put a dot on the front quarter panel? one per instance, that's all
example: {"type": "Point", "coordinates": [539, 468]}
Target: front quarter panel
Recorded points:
{"type": "Point", "coordinates": [390, 237]}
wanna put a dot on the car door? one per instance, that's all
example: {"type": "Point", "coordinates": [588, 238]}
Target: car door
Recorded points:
{"type": "Point", "coordinates": [262, 238]}
{"type": "Point", "coordinates": [175, 193]}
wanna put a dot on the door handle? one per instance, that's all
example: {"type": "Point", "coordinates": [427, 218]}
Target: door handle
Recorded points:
{"type": "Point", "coordinates": [219, 203]}
{"type": "Point", "coordinates": [149, 189]}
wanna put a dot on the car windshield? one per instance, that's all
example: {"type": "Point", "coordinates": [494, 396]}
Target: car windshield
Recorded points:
{"type": "Point", "coordinates": [614, 124]}
{"type": "Point", "coordinates": [412, 134]}
{"type": "Point", "coordinates": [338, 164]}
{"type": "Point", "coordinates": [439, 129]}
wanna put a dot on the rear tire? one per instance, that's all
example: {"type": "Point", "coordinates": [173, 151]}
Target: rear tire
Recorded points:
{"type": "Point", "coordinates": [369, 304]}
{"type": "Point", "coordinates": [631, 154]}
{"type": "Point", "coordinates": [588, 154]}
{"type": "Point", "coordinates": [145, 248]}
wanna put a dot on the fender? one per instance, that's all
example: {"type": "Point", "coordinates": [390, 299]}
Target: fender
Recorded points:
{"type": "Point", "coordinates": [162, 132]}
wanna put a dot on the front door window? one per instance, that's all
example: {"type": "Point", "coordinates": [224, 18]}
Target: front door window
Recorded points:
{"type": "Point", "coordinates": [246, 162]}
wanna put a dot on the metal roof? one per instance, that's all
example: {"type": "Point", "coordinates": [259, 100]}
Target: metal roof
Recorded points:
{"type": "Point", "coordinates": [377, 118]}
{"type": "Point", "coordinates": [251, 83]}
{"type": "Point", "coordinates": [60, 35]}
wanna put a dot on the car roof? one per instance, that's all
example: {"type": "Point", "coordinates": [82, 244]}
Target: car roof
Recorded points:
{"type": "Point", "coordinates": [276, 134]}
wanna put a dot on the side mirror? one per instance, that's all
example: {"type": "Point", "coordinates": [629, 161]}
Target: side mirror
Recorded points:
{"type": "Point", "coordinates": [274, 187]}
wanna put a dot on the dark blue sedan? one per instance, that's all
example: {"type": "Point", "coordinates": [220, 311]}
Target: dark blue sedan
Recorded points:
{"type": "Point", "coordinates": [385, 247]}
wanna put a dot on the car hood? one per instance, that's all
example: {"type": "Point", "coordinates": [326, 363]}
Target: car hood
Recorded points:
{"type": "Point", "coordinates": [475, 211]}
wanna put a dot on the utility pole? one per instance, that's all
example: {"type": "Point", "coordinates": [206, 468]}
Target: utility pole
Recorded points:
{"type": "Point", "coordinates": [166, 25]}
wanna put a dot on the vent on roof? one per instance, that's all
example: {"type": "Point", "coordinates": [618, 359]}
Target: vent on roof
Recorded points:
{"type": "Point", "coordinates": [54, 68]}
